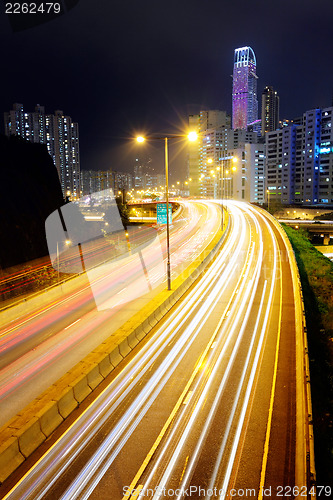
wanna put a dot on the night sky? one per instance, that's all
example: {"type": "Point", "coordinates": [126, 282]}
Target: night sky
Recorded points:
{"type": "Point", "coordinates": [118, 67]}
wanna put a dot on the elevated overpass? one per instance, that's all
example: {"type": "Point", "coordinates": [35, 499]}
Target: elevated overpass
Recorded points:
{"type": "Point", "coordinates": [317, 229]}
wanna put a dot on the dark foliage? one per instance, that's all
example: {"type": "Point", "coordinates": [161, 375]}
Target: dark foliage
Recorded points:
{"type": "Point", "coordinates": [30, 191]}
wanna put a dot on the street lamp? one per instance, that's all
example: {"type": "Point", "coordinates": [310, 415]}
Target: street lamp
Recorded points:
{"type": "Point", "coordinates": [192, 136]}
{"type": "Point", "coordinates": [234, 159]}
{"type": "Point", "coordinates": [212, 172]}
{"type": "Point", "coordinates": [222, 171]}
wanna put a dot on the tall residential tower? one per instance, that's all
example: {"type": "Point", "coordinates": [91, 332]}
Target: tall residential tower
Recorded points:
{"type": "Point", "coordinates": [244, 89]}
{"type": "Point", "coordinates": [269, 110]}
{"type": "Point", "coordinates": [61, 136]}
{"type": "Point", "coordinates": [299, 165]}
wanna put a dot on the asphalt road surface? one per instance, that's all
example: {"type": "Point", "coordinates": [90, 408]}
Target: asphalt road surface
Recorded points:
{"type": "Point", "coordinates": [205, 407]}
{"type": "Point", "coordinates": [36, 349]}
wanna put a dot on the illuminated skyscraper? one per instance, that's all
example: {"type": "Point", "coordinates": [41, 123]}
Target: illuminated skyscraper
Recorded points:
{"type": "Point", "coordinates": [244, 89]}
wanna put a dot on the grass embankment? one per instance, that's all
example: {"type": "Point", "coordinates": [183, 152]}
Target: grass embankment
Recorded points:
{"type": "Point", "coordinates": [316, 273]}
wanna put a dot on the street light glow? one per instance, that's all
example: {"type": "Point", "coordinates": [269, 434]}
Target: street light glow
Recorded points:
{"type": "Point", "coordinates": [192, 136]}
{"type": "Point", "coordinates": [140, 139]}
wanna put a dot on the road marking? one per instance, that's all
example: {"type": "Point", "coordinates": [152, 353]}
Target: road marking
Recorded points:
{"type": "Point", "coordinates": [168, 422]}
{"type": "Point", "coordinates": [188, 397]}
{"type": "Point", "coordinates": [270, 412]}
{"type": "Point", "coordinates": [137, 492]}
{"type": "Point", "coordinates": [197, 408]}
{"type": "Point", "coordinates": [73, 323]}
{"type": "Point", "coordinates": [184, 469]}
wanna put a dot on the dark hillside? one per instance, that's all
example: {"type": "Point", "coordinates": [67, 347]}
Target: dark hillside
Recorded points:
{"type": "Point", "coordinates": [30, 190]}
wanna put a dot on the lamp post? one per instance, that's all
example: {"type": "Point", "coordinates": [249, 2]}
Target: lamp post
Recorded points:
{"type": "Point", "coordinates": [221, 170]}
{"type": "Point", "coordinates": [192, 136]}
{"type": "Point", "coordinates": [222, 180]}
{"type": "Point", "coordinates": [167, 210]}
{"type": "Point", "coordinates": [234, 160]}
{"type": "Point", "coordinates": [222, 194]}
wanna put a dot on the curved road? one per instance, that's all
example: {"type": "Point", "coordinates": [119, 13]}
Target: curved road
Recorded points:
{"type": "Point", "coordinates": [205, 408]}
{"type": "Point", "coordinates": [38, 348]}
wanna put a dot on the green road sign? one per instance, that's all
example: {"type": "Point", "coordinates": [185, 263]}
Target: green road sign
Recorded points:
{"type": "Point", "coordinates": [161, 213]}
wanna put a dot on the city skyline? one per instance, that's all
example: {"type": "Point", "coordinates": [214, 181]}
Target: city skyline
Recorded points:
{"type": "Point", "coordinates": [117, 70]}
{"type": "Point", "coordinates": [167, 313]}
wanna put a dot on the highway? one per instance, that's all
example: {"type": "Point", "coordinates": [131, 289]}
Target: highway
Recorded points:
{"type": "Point", "coordinates": [36, 349]}
{"type": "Point", "coordinates": [206, 405]}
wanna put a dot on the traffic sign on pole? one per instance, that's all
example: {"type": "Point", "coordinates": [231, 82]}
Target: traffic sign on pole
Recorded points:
{"type": "Point", "coordinates": [161, 213]}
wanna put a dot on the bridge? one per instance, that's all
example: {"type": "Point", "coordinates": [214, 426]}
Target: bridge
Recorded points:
{"type": "Point", "coordinates": [317, 229]}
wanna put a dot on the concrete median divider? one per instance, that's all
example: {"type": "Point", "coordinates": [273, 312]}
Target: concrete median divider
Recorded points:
{"type": "Point", "coordinates": [22, 435]}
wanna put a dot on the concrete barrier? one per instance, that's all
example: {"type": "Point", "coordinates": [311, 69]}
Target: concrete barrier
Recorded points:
{"type": "Point", "coordinates": [24, 433]}
{"type": "Point", "coordinates": [49, 417]}
{"type": "Point", "coordinates": [10, 456]}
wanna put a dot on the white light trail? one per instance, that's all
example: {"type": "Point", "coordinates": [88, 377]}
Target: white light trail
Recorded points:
{"type": "Point", "coordinates": [50, 467]}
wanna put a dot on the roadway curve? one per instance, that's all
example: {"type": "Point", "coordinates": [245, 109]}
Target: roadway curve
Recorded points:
{"type": "Point", "coordinates": [208, 400]}
{"type": "Point", "coordinates": [36, 349]}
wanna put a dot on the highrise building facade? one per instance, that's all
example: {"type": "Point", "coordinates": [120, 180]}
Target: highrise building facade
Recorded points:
{"type": "Point", "coordinates": [93, 181]}
{"type": "Point", "coordinates": [145, 176]}
{"type": "Point", "coordinates": [255, 156]}
{"type": "Point", "coordinates": [244, 172]}
{"type": "Point", "coordinates": [270, 104]}
{"type": "Point", "coordinates": [213, 159]}
{"type": "Point", "coordinates": [299, 160]}
{"type": "Point", "coordinates": [244, 89]}
{"type": "Point", "coordinates": [123, 180]}
{"type": "Point", "coordinates": [61, 136]}
{"type": "Point", "coordinates": [211, 125]}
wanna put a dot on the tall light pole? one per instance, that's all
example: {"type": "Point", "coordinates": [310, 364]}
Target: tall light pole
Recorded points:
{"type": "Point", "coordinates": [167, 210]}
{"type": "Point", "coordinates": [192, 136]}
{"type": "Point", "coordinates": [222, 194]}
{"type": "Point", "coordinates": [221, 170]}
{"type": "Point", "coordinates": [222, 183]}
